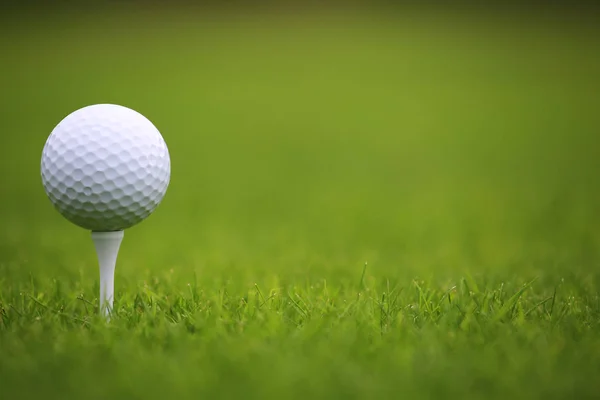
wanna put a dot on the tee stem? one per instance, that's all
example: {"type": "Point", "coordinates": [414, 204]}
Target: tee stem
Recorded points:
{"type": "Point", "coordinates": [107, 249]}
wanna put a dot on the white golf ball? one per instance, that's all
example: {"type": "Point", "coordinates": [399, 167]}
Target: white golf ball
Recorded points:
{"type": "Point", "coordinates": [105, 167]}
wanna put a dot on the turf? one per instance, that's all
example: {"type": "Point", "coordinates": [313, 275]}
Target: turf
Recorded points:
{"type": "Point", "coordinates": [360, 207]}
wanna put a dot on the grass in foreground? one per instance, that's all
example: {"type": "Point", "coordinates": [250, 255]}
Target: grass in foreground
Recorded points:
{"type": "Point", "coordinates": [356, 339]}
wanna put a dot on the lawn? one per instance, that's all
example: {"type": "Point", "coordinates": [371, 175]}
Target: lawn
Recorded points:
{"type": "Point", "coordinates": [361, 206]}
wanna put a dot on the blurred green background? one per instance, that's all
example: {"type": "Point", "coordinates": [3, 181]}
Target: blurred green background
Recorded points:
{"type": "Point", "coordinates": [420, 141]}
{"type": "Point", "coordinates": [429, 143]}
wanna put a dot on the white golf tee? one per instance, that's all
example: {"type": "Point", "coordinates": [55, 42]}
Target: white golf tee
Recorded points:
{"type": "Point", "coordinates": [107, 248]}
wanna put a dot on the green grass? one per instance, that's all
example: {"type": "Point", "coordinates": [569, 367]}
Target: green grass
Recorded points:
{"type": "Point", "coordinates": [360, 207]}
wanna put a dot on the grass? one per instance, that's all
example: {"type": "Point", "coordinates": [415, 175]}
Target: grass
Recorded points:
{"type": "Point", "coordinates": [360, 207]}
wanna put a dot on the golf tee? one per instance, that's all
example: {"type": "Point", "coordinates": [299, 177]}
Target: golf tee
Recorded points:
{"type": "Point", "coordinates": [107, 248]}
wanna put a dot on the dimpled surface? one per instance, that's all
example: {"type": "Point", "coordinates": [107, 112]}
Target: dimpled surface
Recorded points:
{"type": "Point", "coordinates": [105, 167]}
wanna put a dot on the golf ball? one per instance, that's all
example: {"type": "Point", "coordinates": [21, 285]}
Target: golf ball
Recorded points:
{"type": "Point", "coordinates": [105, 167]}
